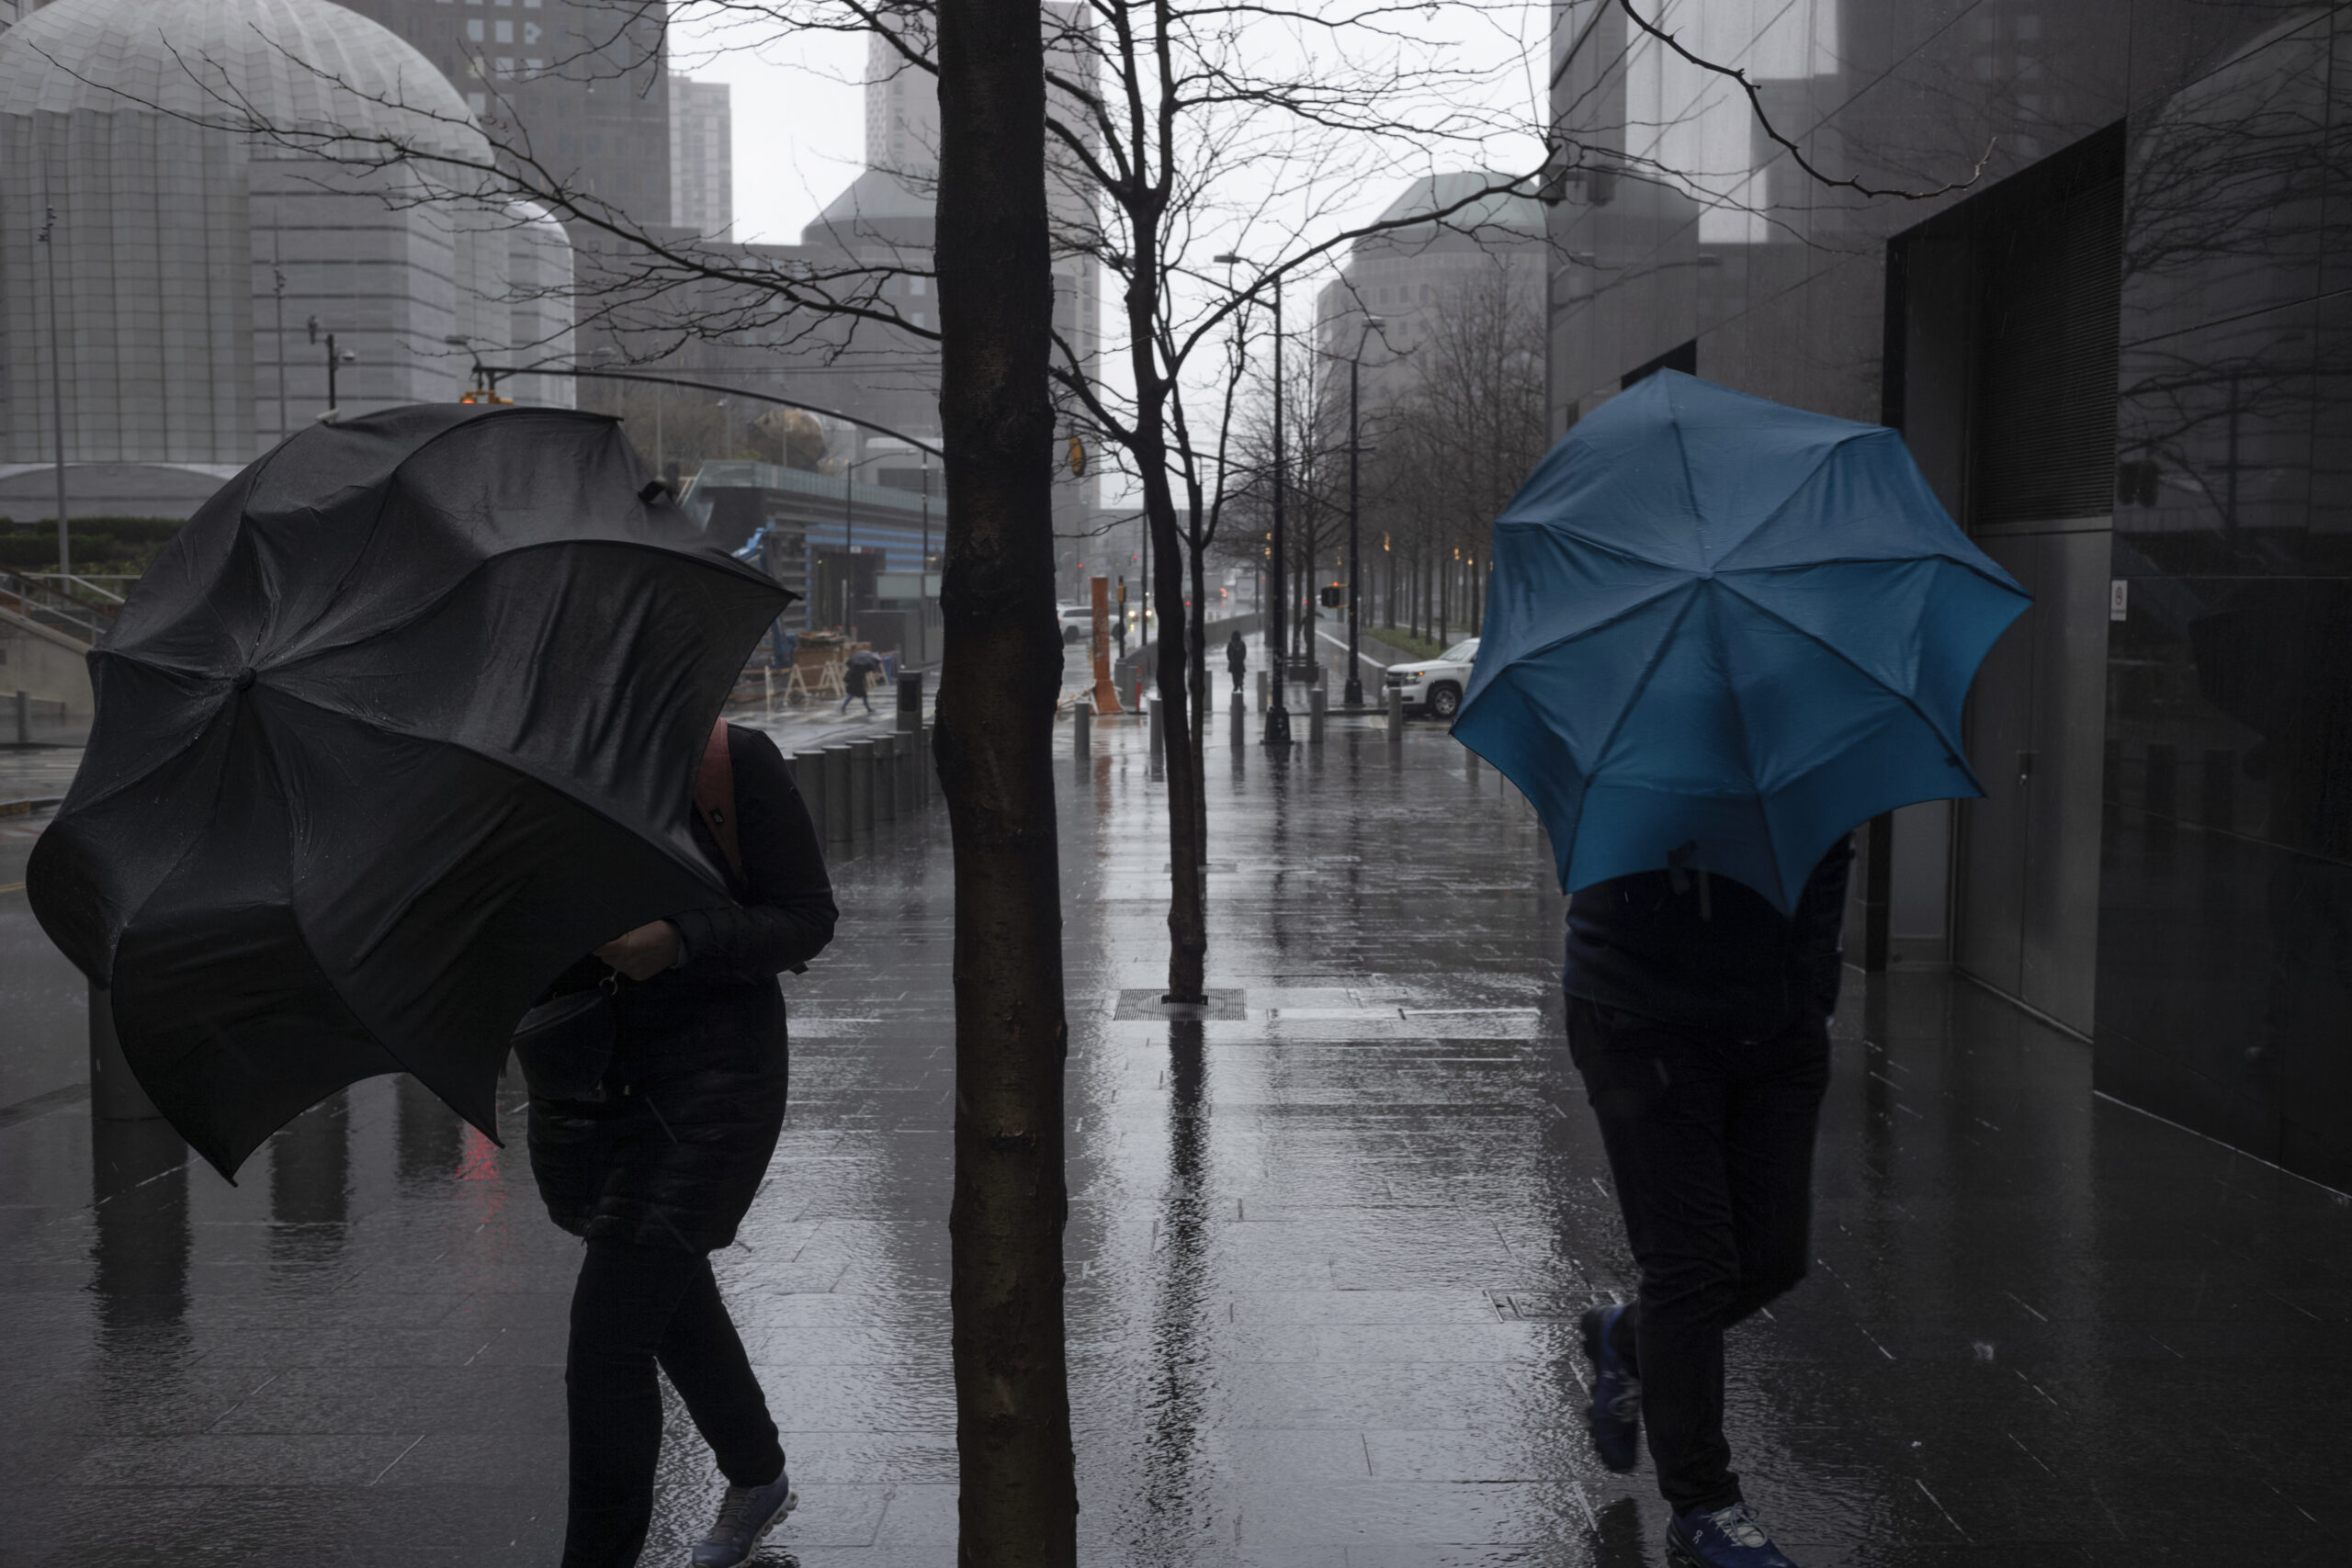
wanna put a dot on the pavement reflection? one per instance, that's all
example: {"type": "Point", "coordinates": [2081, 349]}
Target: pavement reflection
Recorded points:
{"type": "Point", "coordinates": [1328, 1237]}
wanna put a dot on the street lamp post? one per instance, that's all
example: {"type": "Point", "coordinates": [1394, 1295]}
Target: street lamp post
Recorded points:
{"type": "Point", "coordinates": [849, 530]}
{"type": "Point", "coordinates": [335, 359]}
{"type": "Point", "coordinates": [1353, 694]}
{"type": "Point", "coordinates": [48, 237]}
{"type": "Point", "coordinates": [1277, 714]}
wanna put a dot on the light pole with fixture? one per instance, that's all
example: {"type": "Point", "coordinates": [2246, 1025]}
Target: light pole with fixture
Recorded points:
{"type": "Point", "coordinates": [1277, 714]}
{"type": "Point", "coordinates": [335, 359]}
{"type": "Point", "coordinates": [849, 533]}
{"type": "Point", "coordinates": [1352, 696]}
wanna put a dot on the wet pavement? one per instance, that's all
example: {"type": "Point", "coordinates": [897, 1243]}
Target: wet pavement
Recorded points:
{"type": "Point", "coordinates": [1326, 1248]}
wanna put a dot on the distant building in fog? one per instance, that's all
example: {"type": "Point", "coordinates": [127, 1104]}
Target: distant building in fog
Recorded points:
{"type": "Point", "coordinates": [189, 265]}
{"type": "Point", "coordinates": [702, 158]}
{"type": "Point", "coordinates": [1406, 276]}
{"type": "Point", "coordinates": [584, 80]}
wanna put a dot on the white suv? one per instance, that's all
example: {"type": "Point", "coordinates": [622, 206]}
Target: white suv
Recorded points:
{"type": "Point", "coordinates": [1435, 685]}
{"type": "Point", "coordinates": [1078, 623]}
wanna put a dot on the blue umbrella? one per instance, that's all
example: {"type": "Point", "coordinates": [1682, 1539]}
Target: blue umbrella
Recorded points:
{"type": "Point", "coordinates": [1721, 632]}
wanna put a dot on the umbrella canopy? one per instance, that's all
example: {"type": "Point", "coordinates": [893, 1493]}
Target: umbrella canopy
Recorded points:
{"type": "Point", "coordinates": [1721, 632]}
{"type": "Point", "coordinates": [404, 722]}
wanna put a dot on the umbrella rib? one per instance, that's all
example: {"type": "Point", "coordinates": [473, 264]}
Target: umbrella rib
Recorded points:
{"type": "Point", "coordinates": [1746, 753]}
{"type": "Point", "coordinates": [1601, 625]}
{"type": "Point", "coordinates": [1606, 546]}
{"type": "Point", "coordinates": [1843, 657]}
{"type": "Point", "coordinates": [741, 572]}
{"type": "Point", "coordinates": [1785, 502]}
{"type": "Point", "coordinates": [1649, 670]}
{"type": "Point", "coordinates": [107, 792]}
{"type": "Point", "coordinates": [506, 763]}
{"type": "Point", "coordinates": [1689, 485]}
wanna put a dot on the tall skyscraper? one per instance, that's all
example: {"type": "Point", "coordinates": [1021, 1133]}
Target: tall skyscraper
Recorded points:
{"type": "Point", "coordinates": [702, 158]}
{"type": "Point", "coordinates": [579, 84]}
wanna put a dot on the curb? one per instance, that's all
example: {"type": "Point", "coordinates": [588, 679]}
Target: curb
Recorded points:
{"type": "Point", "coordinates": [26, 807]}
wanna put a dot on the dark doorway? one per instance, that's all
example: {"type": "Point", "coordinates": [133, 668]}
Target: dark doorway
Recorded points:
{"type": "Point", "coordinates": [2003, 327]}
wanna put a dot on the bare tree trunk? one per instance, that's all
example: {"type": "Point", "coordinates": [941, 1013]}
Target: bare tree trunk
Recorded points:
{"type": "Point", "coordinates": [1197, 754]}
{"type": "Point", "coordinates": [1018, 1503]}
{"type": "Point", "coordinates": [1188, 941]}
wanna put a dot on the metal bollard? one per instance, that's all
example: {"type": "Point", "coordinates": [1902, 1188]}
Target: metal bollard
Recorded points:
{"type": "Point", "coordinates": [926, 766]}
{"type": "Point", "coordinates": [115, 1094]}
{"type": "Point", "coordinates": [1262, 703]}
{"type": "Point", "coordinates": [1081, 729]}
{"type": "Point", "coordinates": [838, 815]}
{"type": "Point", "coordinates": [861, 787]}
{"type": "Point", "coordinates": [1396, 716]}
{"type": "Point", "coordinates": [1316, 702]}
{"type": "Point", "coordinates": [910, 701]}
{"type": "Point", "coordinates": [24, 719]}
{"type": "Point", "coordinates": [886, 778]}
{"type": "Point", "coordinates": [809, 782]}
{"type": "Point", "coordinates": [1470, 765]}
{"type": "Point", "coordinates": [1159, 730]}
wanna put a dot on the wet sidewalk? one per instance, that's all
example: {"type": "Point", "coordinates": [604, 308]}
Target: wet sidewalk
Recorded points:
{"type": "Point", "coordinates": [1326, 1250]}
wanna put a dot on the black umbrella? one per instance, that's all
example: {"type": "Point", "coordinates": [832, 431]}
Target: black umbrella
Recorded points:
{"type": "Point", "coordinates": [404, 722]}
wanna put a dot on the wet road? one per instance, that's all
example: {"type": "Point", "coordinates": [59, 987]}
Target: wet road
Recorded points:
{"type": "Point", "coordinates": [1325, 1248]}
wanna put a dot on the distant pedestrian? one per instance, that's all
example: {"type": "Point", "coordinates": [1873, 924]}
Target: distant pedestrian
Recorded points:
{"type": "Point", "coordinates": [864, 667]}
{"type": "Point", "coordinates": [1237, 659]}
{"type": "Point", "coordinates": [655, 1161]}
{"type": "Point", "coordinates": [1699, 1015]}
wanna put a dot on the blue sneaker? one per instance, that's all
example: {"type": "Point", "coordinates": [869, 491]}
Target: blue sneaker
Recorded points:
{"type": "Point", "coordinates": [1725, 1538]}
{"type": "Point", "coordinates": [745, 1515]}
{"type": "Point", "coordinates": [1615, 1417]}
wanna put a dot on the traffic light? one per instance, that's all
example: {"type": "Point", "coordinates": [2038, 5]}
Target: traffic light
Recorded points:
{"type": "Point", "coordinates": [1330, 596]}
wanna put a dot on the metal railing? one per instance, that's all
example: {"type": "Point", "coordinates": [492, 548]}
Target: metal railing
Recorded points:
{"type": "Point", "coordinates": [89, 585]}
{"type": "Point", "coordinates": [46, 606]}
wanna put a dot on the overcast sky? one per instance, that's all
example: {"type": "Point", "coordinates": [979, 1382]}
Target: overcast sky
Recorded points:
{"type": "Point", "coordinates": [800, 116]}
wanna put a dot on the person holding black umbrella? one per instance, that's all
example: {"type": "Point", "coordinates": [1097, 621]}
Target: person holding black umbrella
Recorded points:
{"type": "Point", "coordinates": [865, 668]}
{"type": "Point", "coordinates": [397, 728]}
{"type": "Point", "coordinates": [655, 1161]}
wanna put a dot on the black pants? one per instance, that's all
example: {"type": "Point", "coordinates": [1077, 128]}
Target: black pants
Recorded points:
{"type": "Point", "coordinates": [1236, 681]}
{"type": "Point", "coordinates": [1711, 1142]}
{"type": "Point", "coordinates": [634, 1305]}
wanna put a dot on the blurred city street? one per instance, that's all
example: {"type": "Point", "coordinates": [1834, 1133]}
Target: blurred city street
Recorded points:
{"type": "Point", "coordinates": [1326, 1243]}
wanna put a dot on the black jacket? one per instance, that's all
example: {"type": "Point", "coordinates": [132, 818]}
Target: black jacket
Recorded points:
{"type": "Point", "coordinates": [1708, 953]}
{"type": "Point", "coordinates": [1236, 654]}
{"type": "Point", "coordinates": [694, 1099]}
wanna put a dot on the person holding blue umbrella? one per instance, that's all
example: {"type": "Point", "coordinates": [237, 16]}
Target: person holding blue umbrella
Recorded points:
{"type": "Point", "coordinates": [1720, 634]}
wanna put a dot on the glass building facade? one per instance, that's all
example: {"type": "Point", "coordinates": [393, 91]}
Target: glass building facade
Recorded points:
{"type": "Point", "coordinates": [2089, 256]}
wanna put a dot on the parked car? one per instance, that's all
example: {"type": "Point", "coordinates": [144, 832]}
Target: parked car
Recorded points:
{"type": "Point", "coordinates": [1434, 686]}
{"type": "Point", "coordinates": [1078, 623]}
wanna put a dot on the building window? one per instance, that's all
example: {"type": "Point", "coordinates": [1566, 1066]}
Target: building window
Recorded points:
{"type": "Point", "coordinates": [473, 33]}
{"type": "Point", "coordinates": [478, 102]}
{"type": "Point", "coordinates": [505, 31]}
{"type": "Point", "coordinates": [505, 65]}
